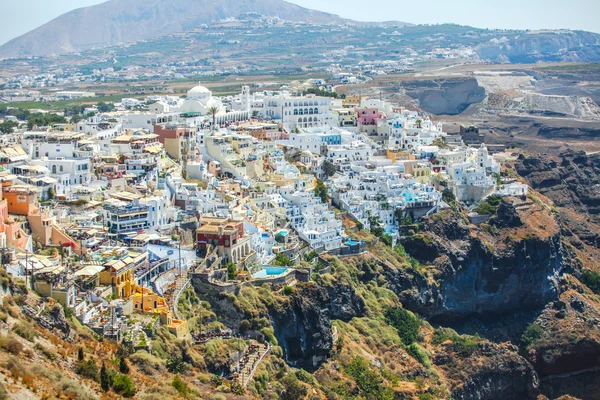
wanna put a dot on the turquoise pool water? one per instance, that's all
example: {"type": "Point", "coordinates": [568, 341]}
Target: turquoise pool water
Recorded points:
{"type": "Point", "coordinates": [268, 272]}
{"type": "Point", "coordinates": [351, 243]}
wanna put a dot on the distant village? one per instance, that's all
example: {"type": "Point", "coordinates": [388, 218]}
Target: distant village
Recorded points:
{"type": "Point", "coordinates": [115, 215]}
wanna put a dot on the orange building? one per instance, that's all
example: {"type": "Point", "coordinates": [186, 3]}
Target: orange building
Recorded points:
{"type": "Point", "coordinates": [21, 199]}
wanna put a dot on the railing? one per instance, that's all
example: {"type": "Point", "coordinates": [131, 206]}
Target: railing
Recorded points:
{"type": "Point", "coordinates": [261, 358]}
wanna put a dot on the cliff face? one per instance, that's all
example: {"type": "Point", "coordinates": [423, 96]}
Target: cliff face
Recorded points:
{"type": "Point", "coordinates": [447, 96]}
{"type": "Point", "coordinates": [571, 335]}
{"type": "Point", "coordinates": [493, 372]}
{"type": "Point", "coordinates": [548, 46]}
{"type": "Point", "coordinates": [304, 329]}
{"type": "Point", "coordinates": [511, 264]}
{"type": "Point", "coordinates": [570, 180]}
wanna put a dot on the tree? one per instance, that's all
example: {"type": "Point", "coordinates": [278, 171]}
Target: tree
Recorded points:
{"type": "Point", "coordinates": [329, 169]}
{"type": "Point", "coordinates": [449, 198]}
{"type": "Point", "coordinates": [281, 260]}
{"type": "Point", "coordinates": [51, 193]}
{"type": "Point", "coordinates": [321, 191]}
{"type": "Point", "coordinates": [8, 127]}
{"type": "Point", "coordinates": [213, 111]}
{"type": "Point", "coordinates": [124, 386]}
{"type": "Point", "coordinates": [106, 378]}
{"type": "Point", "coordinates": [105, 107]}
{"type": "Point", "coordinates": [376, 228]}
{"type": "Point", "coordinates": [123, 367]}
{"type": "Point", "coordinates": [80, 355]}
{"type": "Point", "coordinates": [231, 271]}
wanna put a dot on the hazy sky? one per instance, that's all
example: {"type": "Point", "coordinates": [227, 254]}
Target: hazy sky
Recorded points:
{"type": "Point", "coordinates": [22, 16]}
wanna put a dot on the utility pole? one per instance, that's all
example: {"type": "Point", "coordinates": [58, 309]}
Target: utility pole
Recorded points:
{"type": "Point", "coordinates": [26, 274]}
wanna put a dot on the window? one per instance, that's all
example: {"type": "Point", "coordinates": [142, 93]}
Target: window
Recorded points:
{"type": "Point", "coordinates": [61, 168]}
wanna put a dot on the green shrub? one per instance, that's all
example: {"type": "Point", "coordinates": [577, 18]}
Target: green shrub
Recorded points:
{"type": "Point", "coordinates": [288, 290]}
{"type": "Point", "coordinates": [293, 389]}
{"type": "Point", "coordinates": [124, 386]}
{"type": "Point", "coordinates": [368, 381]}
{"type": "Point", "coordinates": [405, 323]}
{"type": "Point", "coordinates": [88, 369]}
{"type": "Point", "coordinates": [306, 377]}
{"type": "Point", "coordinates": [419, 354]}
{"type": "Point", "coordinates": [281, 260]}
{"type": "Point", "coordinates": [179, 385]}
{"type": "Point", "coordinates": [175, 365]}
{"type": "Point", "coordinates": [463, 345]}
{"type": "Point", "coordinates": [591, 279]}
{"type": "Point", "coordinates": [532, 335]}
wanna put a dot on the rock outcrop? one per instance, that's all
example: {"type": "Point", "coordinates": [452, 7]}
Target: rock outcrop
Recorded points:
{"type": "Point", "coordinates": [571, 180]}
{"type": "Point", "coordinates": [445, 96]}
{"type": "Point", "coordinates": [491, 372]}
{"type": "Point", "coordinates": [512, 264]}
{"type": "Point", "coordinates": [303, 329]}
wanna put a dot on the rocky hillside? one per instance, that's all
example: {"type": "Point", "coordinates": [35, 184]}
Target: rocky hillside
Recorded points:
{"type": "Point", "coordinates": [445, 96]}
{"type": "Point", "coordinates": [124, 21]}
{"type": "Point", "coordinates": [545, 45]}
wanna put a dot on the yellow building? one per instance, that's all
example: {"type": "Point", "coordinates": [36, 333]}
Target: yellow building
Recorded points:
{"type": "Point", "coordinates": [398, 154]}
{"type": "Point", "coordinates": [120, 275]}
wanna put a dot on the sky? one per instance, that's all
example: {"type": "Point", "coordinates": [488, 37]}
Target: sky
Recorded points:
{"type": "Point", "coordinates": [24, 15]}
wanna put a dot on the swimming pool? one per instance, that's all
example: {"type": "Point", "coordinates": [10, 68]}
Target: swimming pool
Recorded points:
{"type": "Point", "coordinates": [268, 272]}
{"type": "Point", "coordinates": [351, 243]}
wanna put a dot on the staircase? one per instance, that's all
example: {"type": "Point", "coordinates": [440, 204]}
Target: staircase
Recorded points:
{"type": "Point", "coordinates": [250, 361]}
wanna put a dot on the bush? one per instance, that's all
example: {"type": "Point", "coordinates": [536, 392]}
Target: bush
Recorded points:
{"type": "Point", "coordinates": [387, 240]}
{"type": "Point", "coordinates": [237, 389]}
{"type": "Point", "coordinates": [11, 344]}
{"type": "Point", "coordinates": [88, 369]}
{"type": "Point", "coordinates": [293, 389]}
{"type": "Point", "coordinates": [306, 377]}
{"type": "Point", "coordinates": [591, 279]}
{"type": "Point", "coordinates": [179, 385]}
{"type": "Point", "coordinates": [405, 323]}
{"type": "Point", "coordinates": [124, 386]}
{"type": "Point", "coordinates": [175, 365]}
{"type": "Point", "coordinates": [532, 335]}
{"type": "Point", "coordinates": [288, 290]}
{"type": "Point", "coordinates": [145, 361]}
{"type": "Point", "coordinates": [25, 330]}
{"type": "Point", "coordinates": [368, 381]}
{"type": "Point", "coordinates": [419, 354]}
{"type": "Point", "coordinates": [50, 355]}
{"type": "Point", "coordinates": [463, 345]}
{"type": "Point", "coordinates": [281, 260]}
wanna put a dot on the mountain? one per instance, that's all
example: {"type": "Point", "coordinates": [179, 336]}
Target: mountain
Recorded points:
{"type": "Point", "coordinates": [122, 21]}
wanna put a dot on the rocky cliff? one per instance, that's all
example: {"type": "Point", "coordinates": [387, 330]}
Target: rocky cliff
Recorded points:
{"type": "Point", "coordinates": [569, 180]}
{"type": "Point", "coordinates": [493, 372]}
{"type": "Point", "coordinates": [304, 329]}
{"type": "Point", "coordinates": [513, 263]}
{"type": "Point", "coordinates": [548, 46]}
{"type": "Point", "coordinates": [445, 96]}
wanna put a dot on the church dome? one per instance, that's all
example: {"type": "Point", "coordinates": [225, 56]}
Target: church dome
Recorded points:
{"type": "Point", "coordinates": [199, 92]}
